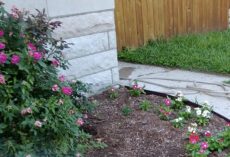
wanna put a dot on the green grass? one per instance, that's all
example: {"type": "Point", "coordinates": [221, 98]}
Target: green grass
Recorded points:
{"type": "Point", "coordinates": [209, 52]}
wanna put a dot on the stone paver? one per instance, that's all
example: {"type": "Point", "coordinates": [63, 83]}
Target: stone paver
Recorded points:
{"type": "Point", "coordinates": [196, 86]}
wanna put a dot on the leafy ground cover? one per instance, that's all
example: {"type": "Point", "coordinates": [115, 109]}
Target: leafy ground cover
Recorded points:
{"type": "Point", "coordinates": [152, 126]}
{"type": "Point", "coordinates": [208, 52]}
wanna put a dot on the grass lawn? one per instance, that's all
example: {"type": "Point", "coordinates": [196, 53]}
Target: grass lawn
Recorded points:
{"type": "Point", "coordinates": [208, 52]}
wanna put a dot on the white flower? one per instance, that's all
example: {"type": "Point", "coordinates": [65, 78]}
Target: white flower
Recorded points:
{"type": "Point", "coordinates": [198, 112]}
{"type": "Point", "coordinates": [191, 129]}
{"type": "Point", "coordinates": [188, 109]}
{"type": "Point", "coordinates": [74, 81]}
{"type": "Point", "coordinates": [179, 94]}
{"type": "Point", "coordinates": [178, 119]}
{"type": "Point", "coordinates": [194, 125]}
{"type": "Point", "coordinates": [28, 155]}
{"type": "Point", "coordinates": [206, 114]}
{"type": "Point", "coordinates": [180, 99]}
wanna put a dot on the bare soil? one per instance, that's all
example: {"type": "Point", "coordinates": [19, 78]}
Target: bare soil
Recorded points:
{"type": "Point", "coordinates": [141, 134]}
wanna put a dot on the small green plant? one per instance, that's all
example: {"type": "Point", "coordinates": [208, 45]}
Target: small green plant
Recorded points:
{"type": "Point", "coordinates": [136, 90]}
{"type": "Point", "coordinates": [126, 110]}
{"type": "Point", "coordinates": [203, 114]}
{"type": "Point", "coordinates": [113, 93]}
{"type": "Point", "coordinates": [186, 113]}
{"type": "Point", "coordinates": [178, 103]}
{"type": "Point", "coordinates": [165, 112]}
{"type": "Point", "coordinates": [145, 105]}
{"type": "Point", "coordinates": [178, 122]}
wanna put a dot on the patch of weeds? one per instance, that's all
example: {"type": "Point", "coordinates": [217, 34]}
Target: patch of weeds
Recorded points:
{"type": "Point", "coordinates": [126, 110]}
{"type": "Point", "coordinates": [145, 105]}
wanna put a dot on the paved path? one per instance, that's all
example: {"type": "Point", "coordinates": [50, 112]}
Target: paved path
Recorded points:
{"type": "Point", "coordinates": [197, 87]}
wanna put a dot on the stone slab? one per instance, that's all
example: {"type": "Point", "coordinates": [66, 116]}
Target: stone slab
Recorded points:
{"type": "Point", "coordinates": [86, 45]}
{"type": "Point", "coordinates": [98, 81]}
{"type": "Point", "coordinates": [69, 7]}
{"type": "Point", "coordinates": [112, 39]}
{"type": "Point", "coordinates": [92, 64]}
{"type": "Point", "coordinates": [29, 5]}
{"type": "Point", "coordinates": [80, 25]}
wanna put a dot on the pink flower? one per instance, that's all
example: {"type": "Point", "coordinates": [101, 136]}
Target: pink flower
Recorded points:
{"type": "Point", "coordinates": [55, 88]}
{"type": "Point", "coordinates": [79, 122]}
{"type": "Point", "coordinates": [55, 63]}
{"type": "Point", "coordinates": [85, 116]}
{"type": "Point", "coordinates": [38, 123]}
{"type": "Point", "coordinates": [201, 151]}
{"type": "Point", "coordinates": [67, 90]}
{"type": "Point", "coordinates": [11, 33]}
{"type": "Point", "coordinates": [1, 33]}
{"type": "Point", "coordinates": [78, 155]}
{"type": "Point", "coordinates": [31, 47]}
{"type": "Point", "coordinates": [2, 79]}
{"type": "Point", "coordinates": [3, 58]}
{"type": "Point", "coordinates": [2, 46]}
{"type": "Point", "coordinates": [37, 55]}
{"type": "Point", "coordinates": [135, 86]}
{"type": "Point", "coordinates": [204, 145]}
{"type": "Point", "coordinates": [15, 59]}
{"type": "Point", "coordinates": [207, 134]}
{"type": "Point", "coordinates": [167, 102]}
{"type": "Point", "coordinates": [26, 111]}
{"type": "Point", "coordinates": [61, 78]}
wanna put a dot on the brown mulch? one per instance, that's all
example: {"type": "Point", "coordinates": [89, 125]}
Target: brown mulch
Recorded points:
{"type": "Point", "coordinates": [141, 134]}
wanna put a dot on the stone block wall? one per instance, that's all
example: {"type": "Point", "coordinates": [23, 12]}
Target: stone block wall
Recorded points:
{"type": "Point", "coordinates": [90, 26]}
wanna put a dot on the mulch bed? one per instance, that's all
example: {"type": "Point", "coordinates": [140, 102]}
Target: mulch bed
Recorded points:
{"type": "Point", "coordinates": [141, 134]}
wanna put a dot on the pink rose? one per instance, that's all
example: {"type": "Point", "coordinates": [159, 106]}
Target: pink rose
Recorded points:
{"type": "Point", "coordinates": [3, 58]}
{"type": "Point", "coordinates": [2, 79]}
{"type": "Point", "coordinates": [26, 111]}
{"type": "Point", "coordinates": [79, 122]}
{"type": "Point", "coordinates": [2, 46]}
{"type": "Point", "coordinates": [61, 78]}
{"type": "Point", "coordinates": [31, 47]}
{"type": "Point", "coordinates": [37, 56]}
{"type": "Point", "coordinates": [11, 33]}
{"type": "Point", "coordinates": [204, 145]}
{"type": "Point", "coordinates": [38, 123]}
{"type": "Point", "coordinates": [55, 88]}
{"type": "Point", "coordinates": [1, 33]}
{"type": "Point", "coordinates": [15, 59]}
{"type": "Point", "coordinates": [67, 90]}
{"type": "Point", "coordinates": [55, 63]}
{"type": "Point", "coordinates": [167, 102]}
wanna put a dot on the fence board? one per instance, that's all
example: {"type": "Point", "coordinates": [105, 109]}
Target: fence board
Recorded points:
{"type": "Point", "coordinates": [138, 21]}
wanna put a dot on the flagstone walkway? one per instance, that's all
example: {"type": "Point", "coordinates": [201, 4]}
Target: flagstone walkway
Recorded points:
{"type": "Point", "coordinates": [196, 86]}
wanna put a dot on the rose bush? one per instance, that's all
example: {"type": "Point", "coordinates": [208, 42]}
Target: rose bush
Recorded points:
{"type": "Point", "coordinates": [39, 112]}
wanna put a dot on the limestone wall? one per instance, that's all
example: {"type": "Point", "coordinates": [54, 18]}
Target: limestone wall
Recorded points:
{"type": "Point", "coordinates": [90, 26]}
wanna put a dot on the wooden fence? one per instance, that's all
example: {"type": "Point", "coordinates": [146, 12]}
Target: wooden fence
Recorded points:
{"type": "Point", "coordinates": [138, 21]}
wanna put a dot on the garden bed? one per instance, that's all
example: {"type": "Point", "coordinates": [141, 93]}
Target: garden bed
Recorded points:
{"type": "Point", "coordinates": [129, 131]}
